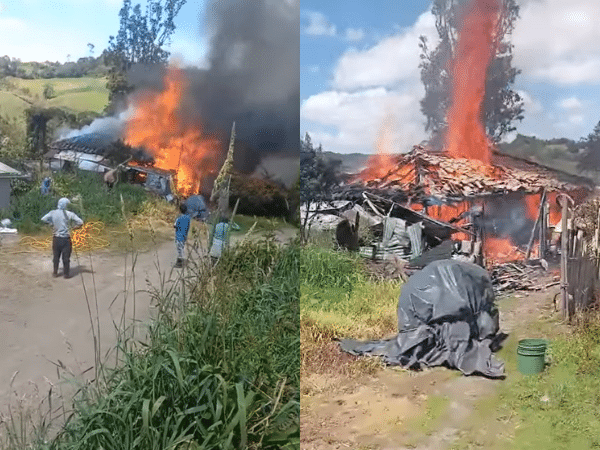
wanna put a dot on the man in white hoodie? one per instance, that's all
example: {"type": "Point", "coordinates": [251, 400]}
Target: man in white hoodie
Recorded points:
{"type": "Point", "coordinates": [61, 219]}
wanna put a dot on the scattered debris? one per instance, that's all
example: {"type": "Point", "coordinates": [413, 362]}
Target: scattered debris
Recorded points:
{"type": "Point", "coordinates": [518, 276]}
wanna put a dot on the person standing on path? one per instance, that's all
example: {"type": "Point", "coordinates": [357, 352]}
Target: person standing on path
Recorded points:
{"type": "Point", "coordinates": [60, 220]}
{"type": "Point", "coordinates": [182, 226]}
{"type": "Point", "coordinates": [220, 239]}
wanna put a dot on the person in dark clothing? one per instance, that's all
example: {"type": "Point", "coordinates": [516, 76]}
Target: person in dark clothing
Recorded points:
{"type": "Point", "coordinates": [60, 219]}
{"type": "Point", "coordinates": [182, 226]}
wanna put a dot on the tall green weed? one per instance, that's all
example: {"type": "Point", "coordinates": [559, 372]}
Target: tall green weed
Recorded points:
{"type": "Point", "coordinates": [214, 374]}
{"type": "Point", "coordinates": [322, 268]}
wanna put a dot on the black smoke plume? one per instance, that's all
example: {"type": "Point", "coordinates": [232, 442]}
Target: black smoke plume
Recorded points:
{"type": "Point", "coordinates": [252, 79]}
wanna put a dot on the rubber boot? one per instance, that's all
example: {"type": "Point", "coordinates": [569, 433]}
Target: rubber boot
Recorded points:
{"type": "Point", "coordinates": [178, 263]}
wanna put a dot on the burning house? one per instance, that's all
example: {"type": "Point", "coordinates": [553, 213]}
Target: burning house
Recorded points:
{"type": "Point", "coordinates": [86, 152]}
{"type": "Point", "coordinates": [489, 210]}
{"type": "Point", "coordinates": [464, 199]}
{"type": "Point", "coordinates": [181, 117]}
{"type": "Point", "coordinates": [98, 153]}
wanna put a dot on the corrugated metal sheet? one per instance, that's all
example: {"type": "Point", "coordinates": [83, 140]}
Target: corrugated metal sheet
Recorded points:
{"type": "Point", "coordinates": [7, 171]}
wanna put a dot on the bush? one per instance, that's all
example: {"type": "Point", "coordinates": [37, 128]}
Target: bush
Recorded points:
{"type": "Point", "coordinates": [49, 91]}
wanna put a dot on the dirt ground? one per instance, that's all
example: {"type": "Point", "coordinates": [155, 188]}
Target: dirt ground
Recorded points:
{"type": "Point", "coordinates": [45, 321]}
{"type": "Point", "coordinates": [427, 410]}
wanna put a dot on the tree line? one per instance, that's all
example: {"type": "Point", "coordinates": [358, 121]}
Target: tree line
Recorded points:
{"type": "Point", "coordinates": [83, 67]}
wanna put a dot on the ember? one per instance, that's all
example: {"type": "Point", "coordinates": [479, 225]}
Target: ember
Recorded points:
{"type": "Point", "coordinates": [175, 145]}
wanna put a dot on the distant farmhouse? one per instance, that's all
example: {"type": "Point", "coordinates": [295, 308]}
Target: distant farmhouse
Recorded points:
{"type": "Point", "coordinates": [86, 152]}
{"type": "Point", "coordinates": [6, 176]}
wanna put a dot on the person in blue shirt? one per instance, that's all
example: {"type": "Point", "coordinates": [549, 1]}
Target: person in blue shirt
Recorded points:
{"type": "Point", "coordinates": [45, 188]}
{"type": "Point", "coordinates": [182, 226]}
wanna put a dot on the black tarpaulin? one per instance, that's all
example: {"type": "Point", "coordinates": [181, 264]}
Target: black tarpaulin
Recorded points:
{"type": "Point", "coordinates": [446, 316]}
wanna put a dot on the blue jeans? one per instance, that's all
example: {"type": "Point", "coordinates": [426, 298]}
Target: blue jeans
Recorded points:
{"type": "Point", "coordinates": [180, 246]}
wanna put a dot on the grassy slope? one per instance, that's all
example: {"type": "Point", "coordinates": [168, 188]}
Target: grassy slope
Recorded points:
{"type": "Point", "coordinates": [77, 94]}
{"type": "Point", "coordinates": [11, 106]}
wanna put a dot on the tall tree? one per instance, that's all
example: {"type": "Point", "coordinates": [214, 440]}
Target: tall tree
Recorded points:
{"type": "Point", "coordinates": [142, 38]}
{"type": "Point", "coordinates": [590, 160]}
{"type": "Point", "coordinates": [318, 177]}
{"type": "Point", "coordinates": [502, 106]}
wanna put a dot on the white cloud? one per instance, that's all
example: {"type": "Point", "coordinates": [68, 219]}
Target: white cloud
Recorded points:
{"type": "Point", "coordinates": [392, 60]}
{"type": "Point", "coordinates": [318, 25]}
{"type": "Point", "coordinates": [572, 115]}
{"type": "Point", "coordinates": [12, 25]}
{"type": "Point", "coordinates": [190, 52]}
{"type": "Point", "coordinates": [571, 104]}
{"type": "Point", "coordinates": [530, 104]}
{"type": "Point", "coordinates": [374, 91]}
{"type": "Point", "coordinates": [576, 119]}
{"type": "Point", "coordinates": [357, 118]}
{"type": "Point", "coordinates": [355, 34]}
{"type": "Point", "coordinates": [557, 41]}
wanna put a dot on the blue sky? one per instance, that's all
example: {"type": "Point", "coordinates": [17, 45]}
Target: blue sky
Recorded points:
{"type": "Point", "coordinates": [360, 86]}
{"type": "Point", "coordinates": [42, 30]}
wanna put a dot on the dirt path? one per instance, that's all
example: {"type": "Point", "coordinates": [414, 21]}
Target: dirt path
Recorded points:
{"type": "Point", "coordinates": [427, 410]}
{"type": "Point", "coordinates": [45, 321]}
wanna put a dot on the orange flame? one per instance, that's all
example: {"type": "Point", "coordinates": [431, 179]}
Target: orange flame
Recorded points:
{"type": "Point", "coordinates": [498, 250]}
{"type": "Point", "coordinates": [532, 204]}
{"type": "Point", "coordinates": [176, 145]}
{"type": "Point", "coordinates": [383, 162]}
{"type": "Point", "coordinates": [448, 212]}
{"type": "Point", "coordinates": [466, 136]}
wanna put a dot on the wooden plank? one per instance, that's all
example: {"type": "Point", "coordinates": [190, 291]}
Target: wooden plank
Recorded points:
{"type": "Point", "coordinates": [535, 225]}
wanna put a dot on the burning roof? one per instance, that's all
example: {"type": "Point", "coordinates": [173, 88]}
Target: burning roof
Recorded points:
{"type": "Point", "coordinates": [437, 175]}
{"type": "Point", "coordinates": [91, 143]}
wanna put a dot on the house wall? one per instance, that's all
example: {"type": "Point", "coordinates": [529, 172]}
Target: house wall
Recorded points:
{"type": "Point", "coordinates": [4, 193]}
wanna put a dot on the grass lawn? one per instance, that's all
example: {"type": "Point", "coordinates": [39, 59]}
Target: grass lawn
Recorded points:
{"type": "Point", "coordinates": [12, 106]}
{"type": "Point", "coordinates": [557, 409]}
{"type": "Point", "coordinates": [78, 94]}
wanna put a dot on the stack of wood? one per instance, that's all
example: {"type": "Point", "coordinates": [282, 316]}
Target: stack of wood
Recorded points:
{"type": "Point", "coordinates": [519, 276]}
{"type": "Point", "coordinates": [443, 176]}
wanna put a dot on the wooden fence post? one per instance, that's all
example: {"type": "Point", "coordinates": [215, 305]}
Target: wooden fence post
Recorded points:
{"type": "Point", "coordinates": [535, 225]}
{"type": "Point", "coordinates": [543, 230]}
{"type": "Point", "coordinates": [564, 257]}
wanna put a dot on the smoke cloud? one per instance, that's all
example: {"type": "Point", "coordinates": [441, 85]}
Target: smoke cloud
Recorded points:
{"type": "Point", "coordinates": [506, 217]}
{"type": "Point", "coordinates": [252, 79]}
{"type": "Point", "coordinates": [110, 127]}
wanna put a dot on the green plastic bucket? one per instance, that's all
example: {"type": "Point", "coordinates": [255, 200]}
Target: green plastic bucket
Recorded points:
{"type": "Point", "coordinates": [531, 355]}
